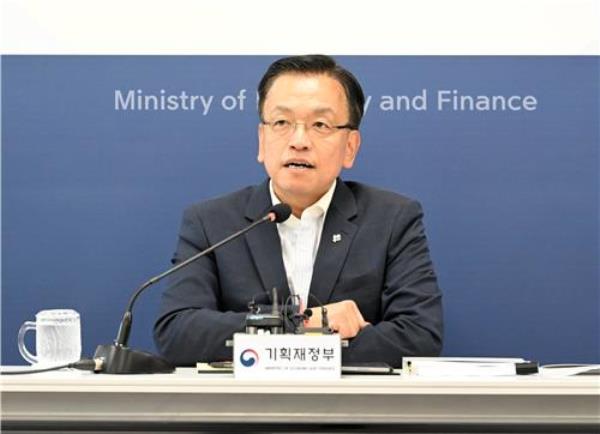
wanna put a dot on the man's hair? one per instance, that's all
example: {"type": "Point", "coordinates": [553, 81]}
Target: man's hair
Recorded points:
{"type": "Point", "coordinates": [316, 64]}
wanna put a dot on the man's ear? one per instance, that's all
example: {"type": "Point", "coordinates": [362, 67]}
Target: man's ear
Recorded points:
{"type": "Point", "coordinates": [261, 140]}
{"type": "Point", "coordinates": [352, 147]}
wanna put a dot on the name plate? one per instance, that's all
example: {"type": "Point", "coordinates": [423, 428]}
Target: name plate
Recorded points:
{"type": "Point", "coordinates": [285, 356]}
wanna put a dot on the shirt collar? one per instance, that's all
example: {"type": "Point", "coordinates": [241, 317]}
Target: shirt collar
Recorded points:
{"type": "Point", "coordinates": [317, 209]}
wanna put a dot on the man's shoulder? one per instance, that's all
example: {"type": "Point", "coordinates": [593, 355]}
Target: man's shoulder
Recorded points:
{"type": "Point", "coordinates": [368, 196]}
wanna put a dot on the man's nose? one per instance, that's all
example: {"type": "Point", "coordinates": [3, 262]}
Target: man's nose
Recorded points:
{"type": "Point", "coordinates": [300, 138]}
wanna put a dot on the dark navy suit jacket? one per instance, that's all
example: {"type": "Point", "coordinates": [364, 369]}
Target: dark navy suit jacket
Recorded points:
{"type": "Point", "coordinates": [381, 262]}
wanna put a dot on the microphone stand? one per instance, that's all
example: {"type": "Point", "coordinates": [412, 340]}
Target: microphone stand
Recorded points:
{"type": "Point", "coordinates": [118, 358]}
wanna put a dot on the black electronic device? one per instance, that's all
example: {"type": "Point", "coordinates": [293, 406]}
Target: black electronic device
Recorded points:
{"type": "Point", "coordinates": [270, 322]}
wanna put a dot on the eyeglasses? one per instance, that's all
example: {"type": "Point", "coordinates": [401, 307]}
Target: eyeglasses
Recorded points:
{"type": "Point", "coordinates": [319, 129]}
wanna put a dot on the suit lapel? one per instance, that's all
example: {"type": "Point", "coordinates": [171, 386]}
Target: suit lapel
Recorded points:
{"type": "Point", "coordinates": [337, 236]}
{"type": "Point", "coordinates": [264, 244]}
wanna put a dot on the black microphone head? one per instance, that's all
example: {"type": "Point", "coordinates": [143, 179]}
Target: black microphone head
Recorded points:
{"type": "Point", "coordinates": [282, 212]}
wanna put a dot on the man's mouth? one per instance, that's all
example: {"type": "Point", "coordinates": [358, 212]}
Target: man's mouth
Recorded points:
{"type": "Point", "coordinates": [299, 165]}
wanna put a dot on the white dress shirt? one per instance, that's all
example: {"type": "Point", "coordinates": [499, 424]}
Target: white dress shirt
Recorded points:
{"type": "Point", "coordinates": [300, 239]}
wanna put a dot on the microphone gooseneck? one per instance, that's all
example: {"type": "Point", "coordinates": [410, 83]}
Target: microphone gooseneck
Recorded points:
{"type": "Point", "coordinates": [277, 213]}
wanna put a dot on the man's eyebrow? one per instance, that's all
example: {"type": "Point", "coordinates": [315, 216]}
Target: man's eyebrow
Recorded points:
{"type": "Point", "coordinates": [324, 110]}
{"type": "Point", "coordinates": [281, 108]}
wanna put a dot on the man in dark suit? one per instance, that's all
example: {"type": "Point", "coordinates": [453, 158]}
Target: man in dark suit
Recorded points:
{"type": "Point", "coordinates": [359, 250]}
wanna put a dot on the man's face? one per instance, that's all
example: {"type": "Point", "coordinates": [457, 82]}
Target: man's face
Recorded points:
{"type": "Point", "coordinates": [302, 164]}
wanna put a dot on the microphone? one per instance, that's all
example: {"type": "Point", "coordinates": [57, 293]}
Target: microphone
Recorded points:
{"type": "Point", "coordinates": [117, 358]}
{"type": "Point", "coordinates": [279, 213]}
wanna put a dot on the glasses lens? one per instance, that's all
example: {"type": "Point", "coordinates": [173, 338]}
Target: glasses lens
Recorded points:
{"type": "Point", "coordinates": [321, 129]}
{"type": "Point", "coordinates": [281, 126]}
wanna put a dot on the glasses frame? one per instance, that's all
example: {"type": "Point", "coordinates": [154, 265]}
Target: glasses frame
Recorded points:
{"type": "Point", "coordinates": [295, 125]}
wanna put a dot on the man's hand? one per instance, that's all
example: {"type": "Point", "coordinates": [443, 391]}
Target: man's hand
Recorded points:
{"type": "Point", "coordinates": [344, 318]}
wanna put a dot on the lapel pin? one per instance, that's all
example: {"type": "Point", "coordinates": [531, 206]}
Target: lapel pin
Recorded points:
{"type": "Point", "coordinates": [336, 238]}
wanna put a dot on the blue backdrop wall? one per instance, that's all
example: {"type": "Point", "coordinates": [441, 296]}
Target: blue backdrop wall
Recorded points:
{"type": "Point", "coordinates": [93, 184]}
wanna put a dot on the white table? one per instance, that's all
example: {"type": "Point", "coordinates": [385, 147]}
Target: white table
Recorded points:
{"type": "Point", "coordinates": [185, 400]}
